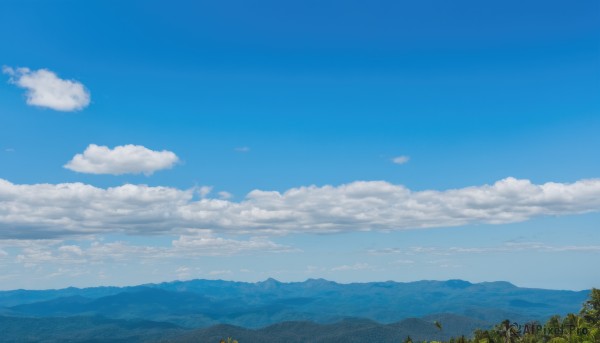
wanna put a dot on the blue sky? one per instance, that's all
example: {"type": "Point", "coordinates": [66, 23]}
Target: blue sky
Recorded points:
{"type": "Point", "coordinates": [280, 96]}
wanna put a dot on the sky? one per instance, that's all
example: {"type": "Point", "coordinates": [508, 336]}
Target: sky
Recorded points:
{"type": "Point", "coordinates": [354, 141]}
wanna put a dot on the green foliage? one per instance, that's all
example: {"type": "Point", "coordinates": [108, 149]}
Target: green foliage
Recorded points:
{"type": "Point", "coordinates": [507, 333]}
{"type": "Point", "coordinates": [591, 308]}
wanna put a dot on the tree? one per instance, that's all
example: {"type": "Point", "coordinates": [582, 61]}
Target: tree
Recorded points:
{"type": "Point", "coordinates": [553, 327]}
{"type": "Point", "coordinates": [508, 332]}
{"type": "Point", "coordinates": [591, 308]}
{"type": "Point", "coordinates": [484, 336]}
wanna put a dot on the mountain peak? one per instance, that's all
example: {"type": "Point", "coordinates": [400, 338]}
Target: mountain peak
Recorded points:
{"type": "Point", "coordinates": [269, 283]}
{"type": "Point", "coordinates": [318, 282]}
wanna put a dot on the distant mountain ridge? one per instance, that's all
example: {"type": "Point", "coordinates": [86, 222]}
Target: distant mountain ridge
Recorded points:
{"type": "Point", "coordinates": [203, 303]}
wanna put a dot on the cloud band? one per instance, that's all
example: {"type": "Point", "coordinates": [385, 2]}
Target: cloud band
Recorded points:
{"type": "Point", "coordinates": [55, 210]}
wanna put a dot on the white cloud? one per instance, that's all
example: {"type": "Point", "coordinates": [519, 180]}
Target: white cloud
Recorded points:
{"type": "Point", "coordinates": [504, 248]}
{"type": "Point", "coordinates": [400, 159]}
{"type": "Point", "coordinates": [71, 249]}
{"type": "Point", "coordinates": [356, 266]}
{"type": "Point", "coordinates": [205, 243]}
{"type": "Point", "coordinates": [46, 89]}
{"type": "Point", "coordinates": [225, 195]}
{"type": "Point", "coordinates": [123, 159]}
{"type": "Point", "coordinates": [50, 211]}
{"type": "Point", "coordinates": [204, 191]}
{"type": "Point", "coordinates": [243, 149]}
{"type": "Point", "coordinates": [191, 244]}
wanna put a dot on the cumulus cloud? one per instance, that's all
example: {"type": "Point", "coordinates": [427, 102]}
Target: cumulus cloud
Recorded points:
{"type": "Point", "coordinates": [46, 89]}
{"type": "Point", "coordinates": [124, 159]}
{"type": "Point", "coordinates": [400, 159]}
{"type": "Point", "coordinates": [53, 210]}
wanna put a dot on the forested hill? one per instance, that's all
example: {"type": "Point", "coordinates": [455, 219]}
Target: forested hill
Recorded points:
{"type": "Point", "coordinates": [203, 303]}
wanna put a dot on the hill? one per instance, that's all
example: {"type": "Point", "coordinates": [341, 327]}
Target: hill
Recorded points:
{"type": "Point", "coordinates": [99, 329]}
{"type": "Point", "coordinates": [83, 329]}
{"type": "Point", "coordinates": [203, 303]}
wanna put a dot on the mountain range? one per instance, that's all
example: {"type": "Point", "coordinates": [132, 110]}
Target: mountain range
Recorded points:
{"type": "Point", "coordinates": [183, 311]}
